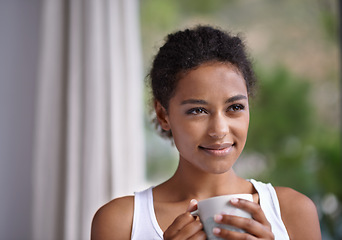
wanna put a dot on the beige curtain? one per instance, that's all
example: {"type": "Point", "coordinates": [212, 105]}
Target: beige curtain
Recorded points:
{"type": "Point", "coordinates": [89, 127]}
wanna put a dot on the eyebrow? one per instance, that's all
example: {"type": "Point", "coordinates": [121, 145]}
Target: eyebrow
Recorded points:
{"type": "Point", "coordinates": [194, 101]}
{"type": "Point", "coordinates": [236, 98]}
{"type": "Point", "coordinates": [203, 102]}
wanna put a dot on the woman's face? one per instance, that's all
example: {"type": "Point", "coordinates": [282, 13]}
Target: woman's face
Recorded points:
{"type": "Point", "coordinates": [209, 117]}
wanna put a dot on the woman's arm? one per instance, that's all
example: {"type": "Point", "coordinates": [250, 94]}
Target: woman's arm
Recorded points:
{"type": "Point", "coordinates": [299, 214]}
{"type": "Point", "coordinates": [114, 220]}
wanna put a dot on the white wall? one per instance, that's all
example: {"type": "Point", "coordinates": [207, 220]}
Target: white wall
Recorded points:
{"type": "Point", "coordinates": [19, 27]}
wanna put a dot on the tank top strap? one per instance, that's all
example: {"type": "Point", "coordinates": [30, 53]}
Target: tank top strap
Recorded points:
{"type": "Point", "coordinates": [270, 205]}
{"type": "Point", "coordinates": [144, 219]}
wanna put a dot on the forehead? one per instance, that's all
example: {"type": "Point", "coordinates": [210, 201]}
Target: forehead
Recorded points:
{"type": "Point", "coordinates": [217, 78]}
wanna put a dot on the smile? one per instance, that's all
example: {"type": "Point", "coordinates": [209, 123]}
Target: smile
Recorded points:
{"type": "Point", "coordinates": [218, 150]}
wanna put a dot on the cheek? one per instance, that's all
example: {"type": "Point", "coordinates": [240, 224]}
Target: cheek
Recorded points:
{"type": "Point", "coordinates": [246, 123]}
{"type": "Point", "coordinates": [241, 127]}
{"type": "Point", "coordinates": [182, 139]}
{"type": "Point", "coordinates": [186, 134]}
{"type": "Point", "coordinates": [245, 130]}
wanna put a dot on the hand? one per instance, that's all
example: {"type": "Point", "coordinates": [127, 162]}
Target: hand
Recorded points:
{"type": "Point", "coordinates": [256, 228]}
{"type": "Point", "coordinates": [186, 226]}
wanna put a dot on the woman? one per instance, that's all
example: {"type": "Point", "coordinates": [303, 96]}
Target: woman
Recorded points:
{"type": "Point", "coordinates": [201, 81]}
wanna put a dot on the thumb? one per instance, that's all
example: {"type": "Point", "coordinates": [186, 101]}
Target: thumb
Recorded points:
{"type": "Point", "coordinates": [192, 205]}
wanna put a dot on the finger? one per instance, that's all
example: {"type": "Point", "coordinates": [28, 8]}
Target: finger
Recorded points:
{"type": "Point", "coordinates": [247, 224]}
{"type": "Point", "coordinates": [179, 223]}
{"type": "Point", "coordinates": [184, 227]}
{"type": "Point", "coordinates": [191, 230]}
{"type": "Point", "coordinates": [226, 234]}
{"type": "Point", "coordinates": [199, 236]}
{"type": "Point", "coordinates": [252, 208]}
{"type": "Point", "coordinates": [192, 205]}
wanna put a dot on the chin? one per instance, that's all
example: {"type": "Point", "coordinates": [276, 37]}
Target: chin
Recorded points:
{"type": "Point", "coordinates": [218, 169]}
{"type": "Point", "coordinates": [221, 171]}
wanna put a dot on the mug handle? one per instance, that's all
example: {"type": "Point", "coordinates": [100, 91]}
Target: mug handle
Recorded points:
{"type": "Point", "coordinates": [195, 213]}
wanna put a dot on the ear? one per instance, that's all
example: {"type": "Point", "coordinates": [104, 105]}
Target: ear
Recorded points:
{"type": "Point", "coordinates": [162, 116]}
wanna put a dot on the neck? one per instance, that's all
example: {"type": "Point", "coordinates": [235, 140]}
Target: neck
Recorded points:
{"type": "Point", "coordinates": [189, 182]}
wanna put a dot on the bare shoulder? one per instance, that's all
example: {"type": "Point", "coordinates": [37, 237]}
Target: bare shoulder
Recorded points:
{"type": "Point", "coordinates": [299, 214]}
{"type": "Point", "coordinates": [114, 220]}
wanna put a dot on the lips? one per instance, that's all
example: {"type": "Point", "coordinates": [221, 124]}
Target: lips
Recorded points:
{"type": "Point", "coordinates": [219, 150]}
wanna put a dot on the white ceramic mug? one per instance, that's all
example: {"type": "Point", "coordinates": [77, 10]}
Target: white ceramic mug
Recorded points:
{"type": "Point", "coordinates": [208, 208]}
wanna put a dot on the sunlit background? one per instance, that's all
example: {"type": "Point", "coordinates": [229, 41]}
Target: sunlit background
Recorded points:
{"type": "Point", "coordinates": [295, 131]}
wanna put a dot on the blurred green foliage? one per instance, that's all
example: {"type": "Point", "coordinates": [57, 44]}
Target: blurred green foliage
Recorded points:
{"type": "Point", "coordinates": [160, 14]}
{"type": "Point", "coordinates": [280, 111]}
{"type": "Point", "coordinates": [281, 120]}
{"type": "Point", "coordinates": [328, 19]}
{"type": "Point", "coordinates": [302, 152]}
{"type": "Point", "coordinates": [204, 7]}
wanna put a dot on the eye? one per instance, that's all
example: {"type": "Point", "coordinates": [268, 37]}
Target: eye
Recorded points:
{"type": "Point", "coordinates": [236, 108]}
{"type": "Point", "coordinates": [196, 111]}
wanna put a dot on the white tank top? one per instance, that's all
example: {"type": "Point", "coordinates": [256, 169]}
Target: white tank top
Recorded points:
{"type": "Point", "coordinates": [145, 225]}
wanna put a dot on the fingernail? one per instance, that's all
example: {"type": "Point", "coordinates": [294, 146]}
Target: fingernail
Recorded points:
{"type": "Point", "coordinates": [192, 203]}
{"type": "Point", "coordinates": [218, 217]}
{"type": "Point", "coordinates": [216, 230]}
{"type": "Point", "coordinates": [234, 200]}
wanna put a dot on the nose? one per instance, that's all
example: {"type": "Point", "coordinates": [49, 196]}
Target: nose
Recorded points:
{"type": "Point", "coordinates": [219, 126]}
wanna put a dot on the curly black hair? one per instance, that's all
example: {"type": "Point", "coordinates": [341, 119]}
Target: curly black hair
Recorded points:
{"type": "Point", "coordinates": [188, 49]}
